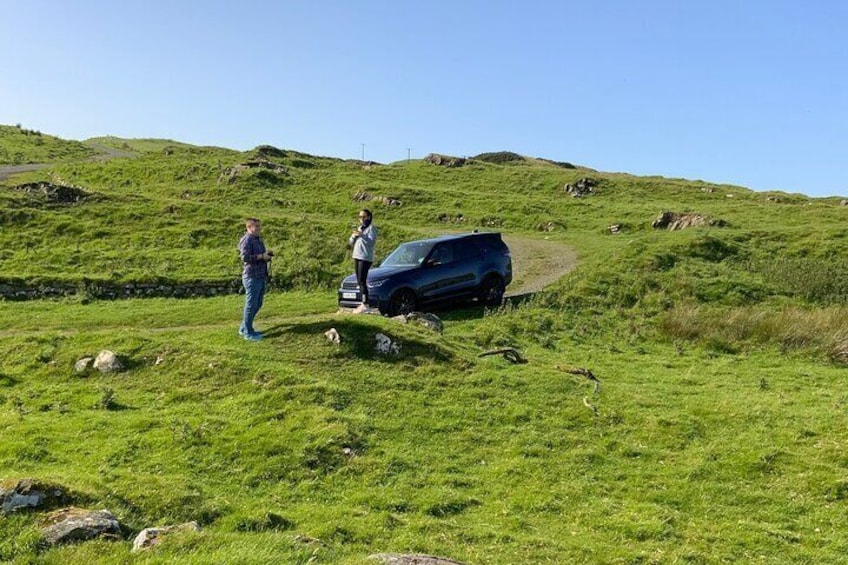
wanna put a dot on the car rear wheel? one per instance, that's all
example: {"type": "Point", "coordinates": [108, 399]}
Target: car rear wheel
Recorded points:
{"type": "Point", "coordinates": [492, 291]}
{"type": "Point", "coordinates": [403, 301]}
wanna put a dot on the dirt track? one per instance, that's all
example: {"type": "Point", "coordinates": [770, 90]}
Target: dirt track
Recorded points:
{"type": "Point", "coordinates": [537, 263]}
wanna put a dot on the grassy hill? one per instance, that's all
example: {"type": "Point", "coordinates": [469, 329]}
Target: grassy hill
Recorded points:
{"type": "Point", "coordinates": [19, 145]}
{"type": "Point", "coordinates": [717, 434]}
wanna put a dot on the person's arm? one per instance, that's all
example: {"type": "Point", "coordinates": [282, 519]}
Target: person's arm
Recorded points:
{"type": "Point", "coordinates": [369, 236]}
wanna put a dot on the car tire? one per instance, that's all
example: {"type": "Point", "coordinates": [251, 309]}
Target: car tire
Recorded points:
{"type": "Point", "coordinates": [402, 301]}
{"type": "Point", "coordinates": [492, 291]}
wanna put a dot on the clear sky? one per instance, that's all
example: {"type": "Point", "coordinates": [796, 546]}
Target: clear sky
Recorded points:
{"type": "Point", "coordinates": [748, 92]}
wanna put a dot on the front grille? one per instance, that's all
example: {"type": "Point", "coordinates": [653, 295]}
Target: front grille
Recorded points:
{"type": "Point", "coordinates": [350, 285]}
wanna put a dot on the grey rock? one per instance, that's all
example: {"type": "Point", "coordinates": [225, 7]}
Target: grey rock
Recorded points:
{"type": "Point", "coordinates": [83, 364]}
{"type": "Point", "coordinates": [29, 493]}
{"type": "Point", "coordinates": [843, 202]}
{"type": "Point", "coordinates": [385, 345]}
{"type": "Point", "coordinates": [107, 362]}
{"type": "Point", "coordinates": [75, 524]}
{"type": "Point", "coordinates": [429, 321]}
{"type": "Point", "coordinates": [150, 537]}
{"type": "Point", "coordinates": [411, 559]}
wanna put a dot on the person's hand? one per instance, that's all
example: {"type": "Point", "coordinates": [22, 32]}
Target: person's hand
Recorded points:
{"type": "Point", "coordinates": [356, 233]}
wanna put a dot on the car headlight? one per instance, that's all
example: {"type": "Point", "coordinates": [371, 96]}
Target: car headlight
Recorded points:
{"type": "Point", "coordinates": [375, 284]}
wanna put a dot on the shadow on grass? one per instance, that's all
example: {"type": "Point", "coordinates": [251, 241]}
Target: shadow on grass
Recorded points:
{"type": "Point", "coordinates": [7, 381]}
{"type": "Point", "coordinates": [465, 311]}
{"type": "Point", "coordinates": [358, 333]}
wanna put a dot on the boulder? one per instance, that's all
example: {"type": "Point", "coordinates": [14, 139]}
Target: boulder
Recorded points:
{"type": "Point", "coordinates": [75, 524]}
{"type": "Point", "coordinates": [385, 346]}
{"type": "Point", "coordinates": [150, 537]}
{"type": "Point", "coordinates": [615, 228]}
{"type": "Point", "coordinates": [30, 493]}
{"type": "Point", "coordinates": [843, 202]}
{"type": "Point", "coordinates": [411, 559]}
{"type": "Point", "coordinates": [107, 362]}
{"type": "Point", "coordinates": [83, 364]}
{"type": "Point", "coordinates": [429, 321]}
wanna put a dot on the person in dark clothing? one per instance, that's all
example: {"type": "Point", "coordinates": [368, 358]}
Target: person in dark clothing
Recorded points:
{"type": "Point", "coordinates": [255, 259]}
{"type": "Point", "coordinates": [363, 240]}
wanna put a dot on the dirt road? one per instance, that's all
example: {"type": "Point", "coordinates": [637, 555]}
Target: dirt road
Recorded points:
{"type": "Point", "coordinates": [537, 263]}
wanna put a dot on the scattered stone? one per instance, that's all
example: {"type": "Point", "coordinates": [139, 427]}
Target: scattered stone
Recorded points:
{"type": "Point", "coordinates": [76, 524]}
{"type": "Point", "coordinates": [445, 160]}
{"type": "Point", "coordinates": [385, 345]}
{"type": "Point", "coordinates": [843, 202]}
{"type": "Point", "coordinates": [674, 221]}
{"type": "Point", "coordinates": [83, 364]}
{"type": "Point", "coordinates": [492, 222]}
{"type": "Point", "coordinates": [150, 537]}
{"type": "Point", "coordinates": [773, 199]}
{"type": "Point", "coordinates": [108, 362]}
{"type": "Point", "coordinates": [458, 218]}
{"type": "Point", "coordinates": [707, 189]}
{"type": "Point", "coordinates": [547, 226]}
{"type": "Point", "coordinates": [30, 493]}
{"type": "Point", "coordinates": [582, 187]}
{"type": "Point", "coordinates": [615, 228]}
{"type": "Point", "coordinates": [333, 336]}
{"type": "Point", "coordinates": [159, 360]}
{"type": "Point", "coordinates": [412, 559]}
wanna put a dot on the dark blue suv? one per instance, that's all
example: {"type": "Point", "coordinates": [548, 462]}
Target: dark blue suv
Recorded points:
{"type": "Point", "coordinates": [424, 272]}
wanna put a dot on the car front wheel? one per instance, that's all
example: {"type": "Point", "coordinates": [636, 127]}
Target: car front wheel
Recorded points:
{"type": "Point", "coordinates": [403, 301]}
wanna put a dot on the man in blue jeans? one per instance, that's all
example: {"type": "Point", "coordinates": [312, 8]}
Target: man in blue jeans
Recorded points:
{"type": "Point", "coordinates": [255, 259]}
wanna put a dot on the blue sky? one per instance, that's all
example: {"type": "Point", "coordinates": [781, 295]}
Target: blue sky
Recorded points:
{"type": "Point", "coordinates": [753, 93]}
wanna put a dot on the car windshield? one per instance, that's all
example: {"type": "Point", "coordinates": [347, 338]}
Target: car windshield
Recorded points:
{"type": "Point", "coordinates": [408, 254]}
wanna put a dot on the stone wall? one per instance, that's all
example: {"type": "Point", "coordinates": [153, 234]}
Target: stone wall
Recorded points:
{"type": "Point", "coordinates": [22, 290]}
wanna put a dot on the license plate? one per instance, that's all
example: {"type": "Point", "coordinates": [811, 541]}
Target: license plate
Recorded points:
{"type": "Point", "coordinates": [349, 295]}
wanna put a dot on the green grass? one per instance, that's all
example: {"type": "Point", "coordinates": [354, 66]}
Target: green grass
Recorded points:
{"type": "Point", "coordinates": [19, 145]}
{"type": "Point", "coordinates": [719, 434]}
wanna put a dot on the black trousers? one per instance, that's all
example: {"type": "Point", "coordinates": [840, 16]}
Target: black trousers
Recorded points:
{"type": "Point", "coordinates": [361, 268]}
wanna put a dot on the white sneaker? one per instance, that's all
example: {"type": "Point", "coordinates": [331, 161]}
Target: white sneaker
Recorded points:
{"type": "Point", "coordinates": [361, 309]}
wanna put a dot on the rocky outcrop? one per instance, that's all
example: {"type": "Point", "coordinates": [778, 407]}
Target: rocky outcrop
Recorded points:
{"type": "Point", "coordinates": [446, 160]}
{"type": "Point", "coordinates": [411, 559]}
{"type": "Point", "coordinates": [673, 221]}
{"type": "Point", "coordinates": [363, 196]}
{"type": "Point", "coordinates": [230, 174]}
{"type": "Point", "coordinates": [75, 524]}
{"type": "Point", "coordinates": [150, 537]}
{"type": "Point", "coordinates": [25, 494]}
{"type": "Point", "coordinates": [54, 193]}
{"type": "Point", "coordinates": [581, 188]}
{"type": "Point", "coordinates": [500, 157]}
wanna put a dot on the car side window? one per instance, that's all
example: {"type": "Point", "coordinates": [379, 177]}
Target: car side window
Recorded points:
{"type": "Point", "coordinates": [465, 250]}
{"type": "Point", "coordinates": [442, 254]}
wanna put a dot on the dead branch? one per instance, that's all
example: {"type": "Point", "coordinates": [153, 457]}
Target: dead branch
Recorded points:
{"type": "Point", "coordinates": [585, 373]}
{"type": "Point", "coordinates": [509, 353]}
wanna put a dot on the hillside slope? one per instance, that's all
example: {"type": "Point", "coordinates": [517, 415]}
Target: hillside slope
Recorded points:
{"type": "Point", "coordinates": [715, 431]}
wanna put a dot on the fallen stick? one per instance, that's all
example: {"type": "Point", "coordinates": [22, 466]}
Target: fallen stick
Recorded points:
{"type": "Point", "coordinates": [585, 373]}
{"type": "Point", "coordinates": [509, 353]}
